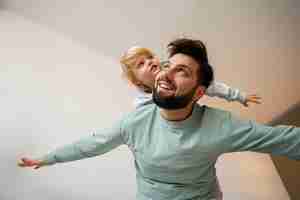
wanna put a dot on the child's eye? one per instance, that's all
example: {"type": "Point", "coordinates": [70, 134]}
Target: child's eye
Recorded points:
{"type": "Point", "coordinates": [140, 64]}
{"type": "Point", "coordinates": [150, 57]}
{"type": "Point", "coordinates": [180, 70]}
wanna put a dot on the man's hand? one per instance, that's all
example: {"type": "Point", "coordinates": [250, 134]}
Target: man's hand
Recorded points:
{"type": "Point", "coordinates": [253, 98]}
{"type": "Point", "coordinates": [27, 162]}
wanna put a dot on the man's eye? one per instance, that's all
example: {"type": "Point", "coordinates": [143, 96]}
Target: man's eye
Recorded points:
{"type": "Point", "coordinates": [182, 71]}
{"type": "Point", "coordinates": [165, 67]}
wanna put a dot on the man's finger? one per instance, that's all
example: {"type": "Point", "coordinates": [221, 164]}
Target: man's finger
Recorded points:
{"type": "Point", "coordinates": [36, 167]}
{"type": "Point", "coordinates": [21, 164]}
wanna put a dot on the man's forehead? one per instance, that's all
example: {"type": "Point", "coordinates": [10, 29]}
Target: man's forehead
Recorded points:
{"type": "Point", "coordinates": [182, 59]}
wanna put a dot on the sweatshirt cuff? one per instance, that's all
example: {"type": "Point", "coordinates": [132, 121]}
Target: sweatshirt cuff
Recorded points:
{"type": "Point", "coordinates": [48, 159]}
{"type": "Point", "coordinates": [242, 98]}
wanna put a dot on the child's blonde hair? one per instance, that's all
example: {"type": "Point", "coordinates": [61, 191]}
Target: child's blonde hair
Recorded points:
{"type": "Point", "coordinates": [128, 61]}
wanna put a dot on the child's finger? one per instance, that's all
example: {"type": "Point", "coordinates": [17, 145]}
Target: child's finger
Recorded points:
{"type": "Point", "coordinates": [255, 96]}
{"type": "Point", "coordinates": [255, 101]}
{"type": "Point", "coordinates": [258, 98]}
{"type": "Point", "coordinates": [252, 97]}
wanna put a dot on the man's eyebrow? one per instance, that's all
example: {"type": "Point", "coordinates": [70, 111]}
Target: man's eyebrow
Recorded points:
{"type": "Point", "coordinates": [164, 62]}
{"type": "Point", "coordinates": [179, 65]}
{"type": "Point", "coordinates": [185, 67]}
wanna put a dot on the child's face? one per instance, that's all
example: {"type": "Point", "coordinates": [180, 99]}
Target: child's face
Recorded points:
{"type": "Point", "coordinates": [145, 69]}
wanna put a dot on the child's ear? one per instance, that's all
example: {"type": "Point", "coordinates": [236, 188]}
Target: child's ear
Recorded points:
{"type": "Point", "coordinates": [140, 85]}
{"type": "Point", "coordinates": [143, 87]}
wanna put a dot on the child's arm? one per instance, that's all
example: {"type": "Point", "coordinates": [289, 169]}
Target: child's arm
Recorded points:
{"type": "Point", "coordinates": [221, 90]}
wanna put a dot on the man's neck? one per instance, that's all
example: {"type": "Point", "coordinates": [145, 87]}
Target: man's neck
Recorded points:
{"type": "Point", "coordinates": [178, 114]}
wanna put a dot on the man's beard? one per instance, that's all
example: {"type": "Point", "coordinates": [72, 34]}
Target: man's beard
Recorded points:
{"type": "Point", "coordinates": [173, 102]}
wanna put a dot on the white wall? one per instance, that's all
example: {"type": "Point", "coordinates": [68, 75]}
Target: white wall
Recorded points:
{"type": "Point", "coordinates": [60, 48]}
{"type": "Point", "coordinates": [53, 91]}
{"type": "Point", "coordinates": [253, 44]}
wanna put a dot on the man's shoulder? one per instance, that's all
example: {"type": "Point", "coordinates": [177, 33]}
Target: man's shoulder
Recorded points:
{"type": "Point", "coordinates": [212, 118]}
{"type": "Point", "coordinates": [144, 110]}
{"type": "Point", "coordinates": [215, 113]}
{"type": "Point", "coordinates": [216, 110]}
{"type": "Point", "coordinates": [141, 113]}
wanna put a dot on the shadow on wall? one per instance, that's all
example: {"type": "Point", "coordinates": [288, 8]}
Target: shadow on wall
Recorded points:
{"type": "Point", "coordinates": [289, 169]}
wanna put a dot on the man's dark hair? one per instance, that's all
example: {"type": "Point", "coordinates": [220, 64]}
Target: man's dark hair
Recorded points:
{"type": "Point", "coordinates": [197, 50]}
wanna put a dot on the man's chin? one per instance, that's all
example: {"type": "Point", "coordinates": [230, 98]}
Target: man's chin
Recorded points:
{"type": "Point", "coordinates": [167, 99]}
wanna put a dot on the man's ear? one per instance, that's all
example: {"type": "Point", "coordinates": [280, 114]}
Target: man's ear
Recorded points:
{"type": "Point", "coordinates": [200, 91]}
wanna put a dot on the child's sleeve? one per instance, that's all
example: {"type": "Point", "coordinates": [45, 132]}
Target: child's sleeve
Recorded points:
{"type": "Point", "coordinates": [142, 100]}
{"type": "Point", "coordinates": [221, 90]}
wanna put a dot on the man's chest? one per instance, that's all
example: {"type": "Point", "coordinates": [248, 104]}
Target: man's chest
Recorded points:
{"type": "Point", "coordinates": [174, 147]}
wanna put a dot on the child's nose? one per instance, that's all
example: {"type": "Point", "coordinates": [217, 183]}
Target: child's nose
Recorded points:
{"type": "Point", "coordinates": [155, 61]}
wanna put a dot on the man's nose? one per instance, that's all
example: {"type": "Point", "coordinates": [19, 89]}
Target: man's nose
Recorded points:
{"type": "Point", "coordinates": [167, 73]}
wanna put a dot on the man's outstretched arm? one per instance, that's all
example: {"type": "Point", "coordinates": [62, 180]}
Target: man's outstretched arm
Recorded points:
{"type": "Point", "coordinates": [252, 136]}
{"type": "Point", "coordinates": [95, 144]}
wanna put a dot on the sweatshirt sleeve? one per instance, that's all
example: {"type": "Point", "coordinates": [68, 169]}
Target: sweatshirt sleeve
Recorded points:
{"type": "Point", "coordinates": [142, 99]}
{"type": "Point", "coordinates": [251, 136]}
{"type": "Point", "coordinates": [221, 90]}
{"type": "Point", "coordinates": [95, 144]}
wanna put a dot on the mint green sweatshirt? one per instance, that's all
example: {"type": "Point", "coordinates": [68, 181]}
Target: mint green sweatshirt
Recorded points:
{"type": "Point", "coordinates": [175, 160]}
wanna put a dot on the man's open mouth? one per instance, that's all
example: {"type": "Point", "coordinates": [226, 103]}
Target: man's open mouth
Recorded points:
{"type": "Point", "coordinates": [165, 86]}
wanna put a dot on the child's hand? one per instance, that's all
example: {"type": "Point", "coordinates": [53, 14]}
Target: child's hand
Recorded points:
{"type": "Point", "coordinates": [27, 162]}
{"type": "Point", "coordinates": [253, 98]}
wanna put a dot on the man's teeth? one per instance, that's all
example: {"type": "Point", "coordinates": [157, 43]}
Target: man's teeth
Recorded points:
{"type": "Point", "coordinates": [165, 86]}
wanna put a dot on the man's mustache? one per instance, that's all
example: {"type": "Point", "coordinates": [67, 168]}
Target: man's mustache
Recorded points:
{"type": "Point", "coordinates": [166, 82]}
